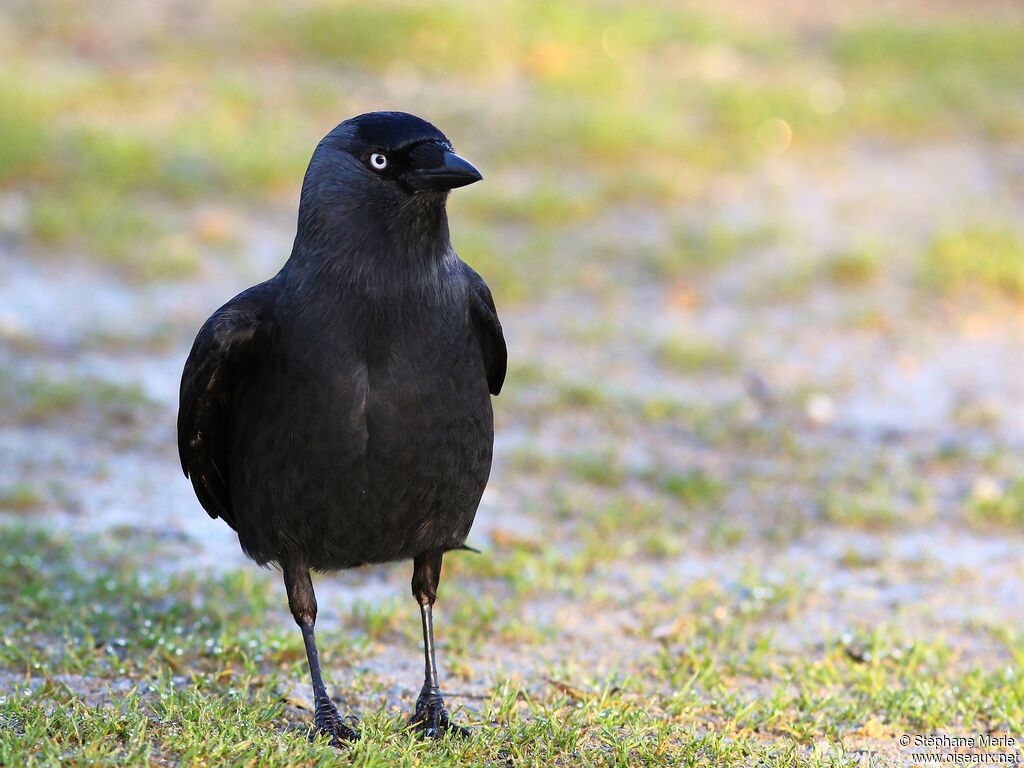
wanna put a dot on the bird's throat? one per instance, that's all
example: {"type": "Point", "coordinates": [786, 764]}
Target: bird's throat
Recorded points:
{"type": "Point", "coordinates": [409, 250]}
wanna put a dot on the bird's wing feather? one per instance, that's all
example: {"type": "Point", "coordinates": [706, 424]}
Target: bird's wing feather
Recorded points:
{"type": "Point", "coordinates": [488, 331]}
{"type": "Point", "coordinates": [223, 352]}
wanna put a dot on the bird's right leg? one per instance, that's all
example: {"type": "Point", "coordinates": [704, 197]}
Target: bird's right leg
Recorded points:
{"type": "Point", "coordinates": [302, 601]}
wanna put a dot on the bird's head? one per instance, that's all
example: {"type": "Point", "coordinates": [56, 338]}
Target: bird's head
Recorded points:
{"type": "Point", "coordinates": [384, 168]}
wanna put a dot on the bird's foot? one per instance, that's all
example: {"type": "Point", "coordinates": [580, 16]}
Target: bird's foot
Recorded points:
{"type": "Point", "coordinates": [431, 718]}
{"type": "Point", "coordinates": [328, 721]}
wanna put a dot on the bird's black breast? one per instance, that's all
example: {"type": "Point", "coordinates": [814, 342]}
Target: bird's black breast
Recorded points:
{"type": "Point", "coordinates": [366, 433]}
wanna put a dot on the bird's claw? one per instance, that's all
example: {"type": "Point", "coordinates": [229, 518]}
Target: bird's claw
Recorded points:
{"type": "Point", "coordinates": [329, 722]}
{"type": "Point", "coordinates": [431, 718]}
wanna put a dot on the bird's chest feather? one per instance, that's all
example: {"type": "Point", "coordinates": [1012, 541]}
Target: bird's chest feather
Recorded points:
{"type": "Point", "coordinates": [391, 382]}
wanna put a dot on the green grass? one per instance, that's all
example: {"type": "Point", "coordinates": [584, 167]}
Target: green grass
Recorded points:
{"type": "Point", "coordinates": [513, 268]}
{"type": "Point", "coordinates": [854, 266]}
{"type": "Point", "coordinates": [598, 467]}
{"type": "Point", "coordinates": [884, 499]}
{"type": "Point", "coordinates": [115, 189]}
{"type": "Point", "coordinates": [940, 76]}
{"type": "Point", "coordinates": [20, 497]}
{"type": "Point", "coordinates": [436, 39]}
{"type": "Point", "coordinates": [692, 488]}
{"type": "Point", "coordinates": [1004, 507]}
{"type": "Point", "coordinates": [190, 725]}
{"type": "Point", "coordinates": [693, 248]}
{"type": "Point", "coordinates": [861, 512]}
{"type": "Point", "coordinates": [22, 120]}
{"type": "Point", "coordinates": [206, 665]}
{"type": "Point", "coordinates": [690, 356]}
{"type": "Point", "coordinates": [39, 399]}
{"type": "Point", "coordinates": [613, 104]}
{"type": "Point", "coordinates": [102, 617]}
{"type": "Point", "coordinates": [979, 257]}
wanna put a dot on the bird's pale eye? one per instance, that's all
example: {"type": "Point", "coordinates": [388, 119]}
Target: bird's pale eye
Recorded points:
{"type": "Point", "coordinates": [378, 161]}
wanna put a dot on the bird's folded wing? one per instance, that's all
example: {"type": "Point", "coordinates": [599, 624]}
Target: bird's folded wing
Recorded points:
{"type": "Point", "coordinates": [488, 331]}
{"type": "Point", "coordinates": [223, 353]}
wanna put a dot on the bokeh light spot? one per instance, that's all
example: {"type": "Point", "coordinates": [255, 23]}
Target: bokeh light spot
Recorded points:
{"type": "Point", "coordinates": [774, 135]}
{"type": "Point", "coordinates": [615, 43]}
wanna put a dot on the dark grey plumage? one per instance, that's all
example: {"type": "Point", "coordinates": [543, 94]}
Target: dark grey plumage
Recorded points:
{"type": "Point", "coordinates": [339, 413]}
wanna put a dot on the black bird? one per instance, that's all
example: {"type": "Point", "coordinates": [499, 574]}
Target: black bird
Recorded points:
{"type": "Point", "coordinates": [339, 413]}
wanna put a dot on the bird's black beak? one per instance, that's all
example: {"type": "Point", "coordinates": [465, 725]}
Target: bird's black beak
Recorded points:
{"type": "Point", "coordinates": [452, 173]}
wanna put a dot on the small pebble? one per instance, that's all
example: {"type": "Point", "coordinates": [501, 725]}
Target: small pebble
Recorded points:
{"type": "Point", "coordinates": [820, 409]}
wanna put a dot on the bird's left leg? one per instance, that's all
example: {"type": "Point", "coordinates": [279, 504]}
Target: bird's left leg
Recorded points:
{"type": "Point", "coordinates": [430, 717]}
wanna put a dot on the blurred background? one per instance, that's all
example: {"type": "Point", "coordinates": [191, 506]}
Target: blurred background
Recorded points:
{"type": "Point", "coordinates": [760, 266]}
